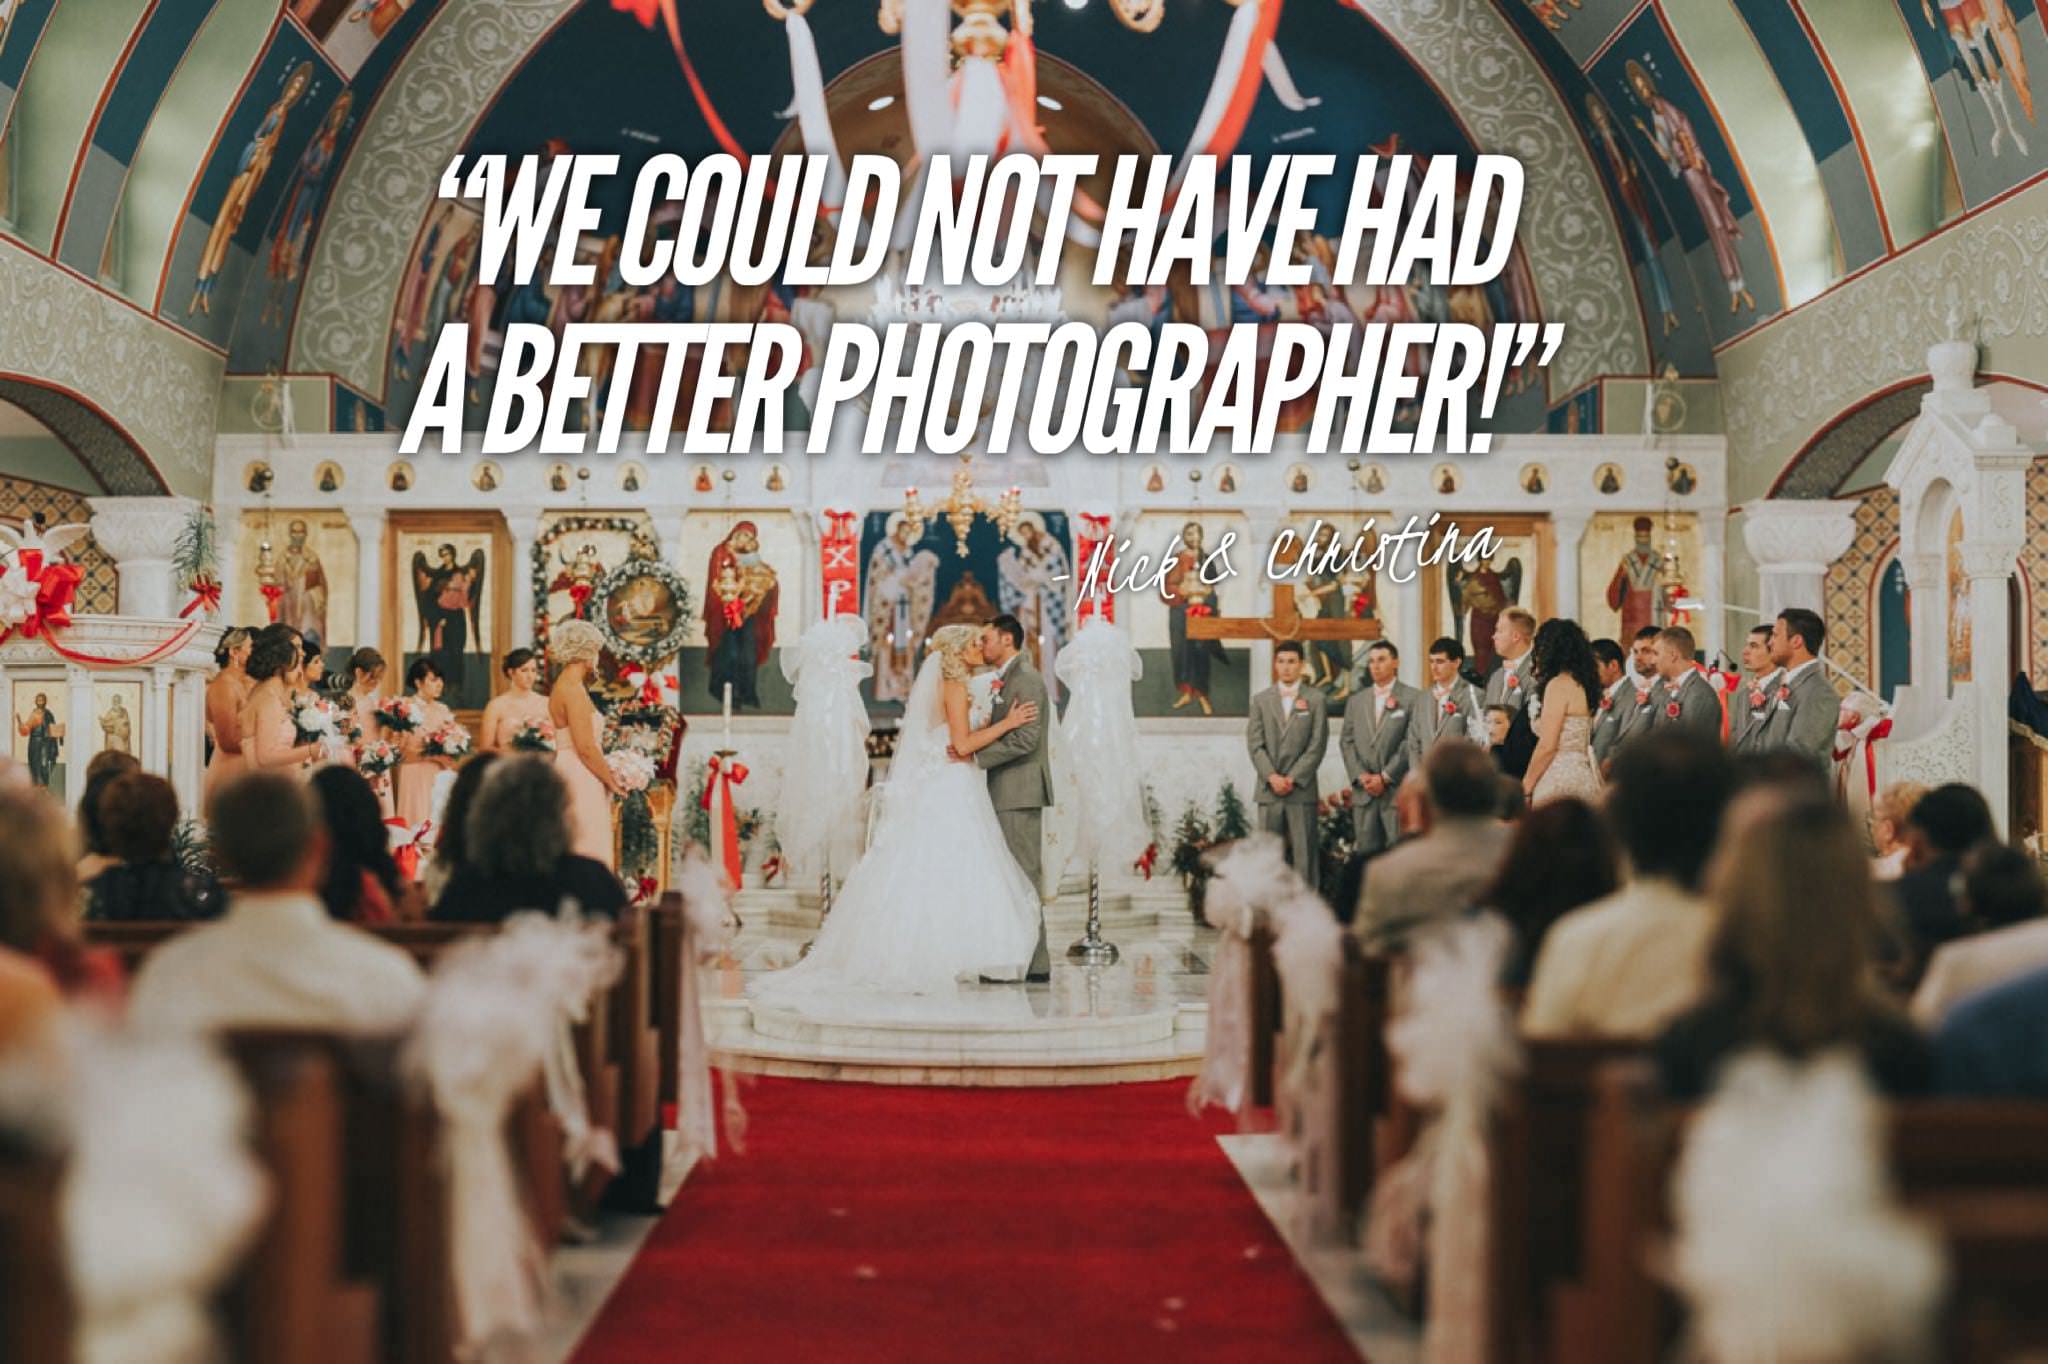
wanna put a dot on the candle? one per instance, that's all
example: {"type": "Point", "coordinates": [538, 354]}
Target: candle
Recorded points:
{"type": "Point", "coordinates": [726, 743]}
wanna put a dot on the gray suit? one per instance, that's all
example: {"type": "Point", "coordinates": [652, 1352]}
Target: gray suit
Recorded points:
{"type": "Point", "coordinates": [1617, 708]}
{"type": "Point", "coordinates": [1637, 717]}
{"type": "Point", "coordinates": [1498, 693]}
{"type": "Point", "coordinates": [1292, 744]}
{"type": "Point", "coordinates": [1430, 726]}
{"type": "Point", "coordinates": [1746, 722]}
{"type": "Point", "coordinates": [1804, 723]}
{"type": "Point", "coordinates": [1699, 710]}
{"type": "Point", "coordinates": [1430, 880]}
{"type": "Point", "coordinates": [1377, 743]}
{"type": "Point", "coordinates": [1020, 781]}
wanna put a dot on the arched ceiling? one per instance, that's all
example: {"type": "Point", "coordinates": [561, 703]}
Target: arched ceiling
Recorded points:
{"type": "Point", "coordinates": [208, 162]}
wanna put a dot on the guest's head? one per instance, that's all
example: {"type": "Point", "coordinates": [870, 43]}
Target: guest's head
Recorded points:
{"type": "Point", "coordinates": [1674, 651]}
{"type": "Point", "coordinates": [366, 669]}
{"type": "Point", "coordinates": [1756, 651]}
{"type": "Point", "coordinates": [451, 849]}
{"type": "Point", "coordinates": [1562, 857]}
{"type": "Point", "coordinates": [266, 834]}
{"type": "Point", "coordinates": [518, 826]}
{"type": "Point", "coordinates": [1796, 637]}
{"type": "Point", "coordinates": [521, 668]}
{"type": "Point", "coordinates": [1287, 662]}
{"type": "Point", "coordinates": [233, 649]}
{"type": "Point", "coordinates": [1888, 814]}
{"type": "Point", "coordinates": [2001, 886]}
{"type": "Point", "coordinates": [423, 679]}
{"type": "Point", "coordinates": [278, 652]}
{"type": "Point", "coordinates": [1666, 799]}
{"type": "Point", "coordinates": [38, 869]}
{"type": "Point", "coordinates": [1513, 632]}
{"type": "Point", "coordinates": [1643, 650]}
{"type": "Point", "coordinates": [357, 840]}
{"type": "Point", "coordinates": [1795, 953]}
{"type": "Point", "coordinates": [1446, 656]}
{"type": "Point", "coordinates": [1462, 781]}
{"type": "Point", "coordinates": [575, 641]}
{"type": "Point", "coordinates": [1499, 719]}
{"type": "Point", "coordinates": [1946, 823]}
{"type": "Point", "coordinates": [139, 818]}
{"type": "Point", "coordinates": [1783, 771]}
{"type": "Point", "coordinates": [1562, 650]}
{"type": "Point", "coordinates": [1610, 660]}
{"type": "Point", "coordinates": [1382, 662]}
{"type": "Point", "coordinates": [106, 767]}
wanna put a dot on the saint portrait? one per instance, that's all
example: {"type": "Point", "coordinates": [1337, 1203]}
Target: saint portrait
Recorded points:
{"type": "Point", "coordinates": [252, 167]}
{"type": "Point", "coordinates": [741, 598]}
{"type": "Point", "coordinates": [1226, 478]}
{"type": "Point", "coordinates": [298, 568]}
{"type": "Point", "coordinates": [401, 477]}
{"type": "Point", "coordinates": [1155, 478]}
{"type": "Point", "coordinates": [257, 478]}
{"type": "Point", "coordinates": [1534, 480]}
{"type": "Point", "coordinates": [1373, 478]}
{"type": "Point", "coordinates": [117, 713]}
{"type": "Point", "coordinates": [1298, 479]}
{"type": "Point", "coordinates": [486, 478]}
{"type": "Point", "coordinates": [1607, 479]}
{"type": "Point", "coordinates": [328, 477]}
{"type": "Point", "coordinates": [1035, 584]}
{"type": "Point", "coordinates": [1444, 479]}
{"type": "Point", "coordinates": [39, 735]}
{"type": "Point", "coordinates": [447, 590]}
{"type": "Point", "coordinates": [558, 478]}
{"type": "Point", "coordinates": [632, 478]}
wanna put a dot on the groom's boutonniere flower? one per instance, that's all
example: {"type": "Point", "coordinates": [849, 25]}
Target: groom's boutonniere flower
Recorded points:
{"type": "Point", "coordinates": [1671, 710]}
{"type": "Point", "coordinates": [995, 688]}
{"type": "Point", "coordinates": [1450, 706]}
{"type": "Point", "coordinates": [1784, 693]}
{"type": "Point", "coordinates": [1607, 703]}
{"type": "Point", "coordinates": [1301, 703]}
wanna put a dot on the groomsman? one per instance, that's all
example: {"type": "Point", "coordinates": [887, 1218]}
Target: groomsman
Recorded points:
{"type": "Point", "coordinates": [1803, 713]}
{"type": "Point", "coordinates": [1752, 701]}
{"type": "Point", "coordinates": [1686, 700]}
{"type": "Point", "coordinates": [1640, 694]}
{"type": "Point", "coordinates": [1509, 686]}
{"type": "Point", "coordinates": [1642, 656]}
{"type": "Point", "coordinates": [1614, 710]}
{"type": "Point", "coordinates": [1450, 709]}
{"type": "Point", "coordinates": [1374, 746]}
{"type": "Point", "coordinates": [1287, 735]}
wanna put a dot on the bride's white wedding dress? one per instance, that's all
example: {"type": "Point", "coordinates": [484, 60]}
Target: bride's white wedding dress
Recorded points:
{"type": "Point", "coordinates": [937, 895]}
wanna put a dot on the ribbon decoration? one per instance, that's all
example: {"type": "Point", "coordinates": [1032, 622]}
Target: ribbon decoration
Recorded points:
{"type": "Point", "coordinates": [205, 596]}
{"type": "Point", "coordinates": [839, 567]}
{"type": "Point", "coordinates": [1088, 542]}
{"type": "Point", "coordinates": [1868, 732]}
{"type": "Point", "coordinates": [409, 846]}
{"type": "Point", "coordinates": [646, 11]}
{"type": "Point", "coordinates": [273, 593]}
{"type": "Point", "coordinates": [652, 688]}
{"type": "Point", "coordinates": [720, 777]}
{"type": "Point", "coordinates": [35, 602]}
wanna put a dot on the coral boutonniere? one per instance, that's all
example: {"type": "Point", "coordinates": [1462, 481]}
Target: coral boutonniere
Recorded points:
{"type": "Point", "coordinates": [1671, 711]}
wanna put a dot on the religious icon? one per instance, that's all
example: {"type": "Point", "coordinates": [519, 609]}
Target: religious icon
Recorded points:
{"type": "Point", "coordinates": [702, 480]}
{"type": "Point", "coordinates": [447, 592]}
{"type": "Point", "coordinates": [1642, 227]}
{"type": "Point", "coordinates": [1335, 595]}
{"type": "Point", "coordinates": [778, 479]}
{"type": "Point", "coordinates": [250, 169]}
{"type": "Point", "coordinates": [303, 606]}
{"type": "Point", "coordinates": [558, 478]}
{"type": "Point", "coordinates": [1552, 13]}
{"type": "Point", "coordinates": [1298, 479]}
{"type": "Point", "coordinates": [302, 207]}
{"type": "Point", "coordinates": [1607, 479]}
{"type": "Point", "coordinates": [1671, 132]}
{"type": "Point", "coordinates": [640, 616]}
{"type": "Point", "coordinates": [117, 726]}
{"type": "Point", "coordinates": [1373, 478]}
{"type": "Point", "coordinates": [740, 603]}
{"type": "Point", "coordinates": [1479, 593]}
{"type": "Point", "coordinates": [40, 736]}
{"type": "Point", "coordinates": [437, 284]}
{"type": "Point", "coordinates": [258, 479]}
{"type": "Point", "coordinates": [1188, 596]}
{"type": "Point", "coordinates": [486, 477]}
{"type": "Point", "coordinates": [1444, 478]}
{"type": "Point", "coordinates": [1033, 579]}
{"type": "Point", "coordinates": [578, 577]}
{"type": "Point", "coordinates": [898, 593]}
{"type": "Point", "coordinates": [401, 477]}
{"type": "Point", "coordinates": [348, 31]}
{"type": "Point", "coordinates": [328, 477]}
{"type": "Point", "coordinates": [1155, 479]}
{"type": "Point", "coordinates": [1534, 479]}
{"type": "Point", "coordinates": [1959, 623]}
{"type": "Point", "coordinates": [1681, 479]}
{"type": "Point", "coordinates": [1987, 44]}
{"type": "Point", "coordinates": [1634, 590]}
{"type": "Point", "coordinates": [631, 477]}
{"type": "Point", "coordinates": [1226, 479]}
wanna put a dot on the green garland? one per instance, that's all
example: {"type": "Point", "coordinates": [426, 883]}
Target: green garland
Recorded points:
{"type": "Point", "coordinates": [541, 577]}
{"type": "Point", "coordinates": [195, 555]}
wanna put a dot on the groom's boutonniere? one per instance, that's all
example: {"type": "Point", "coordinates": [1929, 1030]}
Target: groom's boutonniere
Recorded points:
{"type": "Point", "coordinates": [995, 688]}
{"type": "Point", "coordinates": [1671, 710]}
{"type": "Point", "coordinates": [1301, 704]}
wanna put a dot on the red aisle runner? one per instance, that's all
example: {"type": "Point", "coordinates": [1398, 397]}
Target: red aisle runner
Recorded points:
{"type": "Point", "coordinates": [876, 1223]}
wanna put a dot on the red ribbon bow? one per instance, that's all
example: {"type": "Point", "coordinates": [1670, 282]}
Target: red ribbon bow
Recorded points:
{"type": "Point", "coordinates": [205, 596]}
{"type": "Point", "coordinates": [652, 686]}
{"type": "Point", "coordinates": [56, 584]}
{"type": "Point", "coordinates": [842, 524]}
{"type": "Point", "coordinates": [1197, 610]}
{"type": "Point", "coordinates": [1881, 730]}
{"type": "Point", "coordinates": [719, 773]}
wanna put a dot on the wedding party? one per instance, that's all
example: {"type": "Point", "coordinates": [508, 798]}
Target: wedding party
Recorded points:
{"type": "Point", "coordinates": [916, 680]}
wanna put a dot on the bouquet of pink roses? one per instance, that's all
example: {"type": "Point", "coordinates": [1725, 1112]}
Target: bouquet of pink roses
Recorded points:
{"type": "Point", "coordinates": [399, 714]}
{"type": "Point", "coordinates": [631, 768]}
{"type": "Point", "coordinates": [314, 722]}
{"type": "Point", "coordinates": [450, 741]}
{"type": "Point", "coordinates": [535, 736]}
{"type": "Point", "coordinates": [376, 757]}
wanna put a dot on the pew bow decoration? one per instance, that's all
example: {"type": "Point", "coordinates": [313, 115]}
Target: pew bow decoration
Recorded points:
{"type": "Point", "coordinates": [36, 592]}
{"type": "Point", "coordinates": [705, 938]}
{"type": "Point", "coordinates": [1308, 956]}
{"type": "Point", "coordinates": [1250, 877]}
{"type": "Point", "coordinates": [723, 772]}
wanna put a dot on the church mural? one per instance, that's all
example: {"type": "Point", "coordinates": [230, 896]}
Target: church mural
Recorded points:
{"type": "Point", "coordinates": [348, 31]}
{"type": "Point", "coordinates": [1338, 666]}
{"type": "Point", "coordinates": [1624, 570]}
{"type": "Point", "coordinates": [1189, 677]}
{"type": "Point", "coordinates": [1465, 600]}
{"type": "Point", "coordinates": [448, 572]}
{"type": "Point", "coordinates": [572, 552]}
{"type": "Point", "coordinates": [305, 561]}
{"type": "Point", "coordinates": [438, 288]}
{"type": "Point", "coordinates": [745, 570]}
{"type": "Point", "coordinates": [1960, 624]}
{"type": "Point", "coordinates": [37, 730]}
{"type": "Point", "coordinates": [117, 718]}
{"type": "Point", "coordinates": [1984, 59]}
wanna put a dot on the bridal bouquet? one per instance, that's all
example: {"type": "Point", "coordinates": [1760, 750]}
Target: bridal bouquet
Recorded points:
{"type": "Point", "coordinates": [450, 741]}
{"type": "Point", "coordinates": [314, 722]}
{"type": "Point", "coordinates": [376, 757]}
{"type": "Point", "coordinates": [399, 714]}
{"type": "Point", "coordinates": [534, 737]}
{"type": "Point", "coordinates": [631, 768]}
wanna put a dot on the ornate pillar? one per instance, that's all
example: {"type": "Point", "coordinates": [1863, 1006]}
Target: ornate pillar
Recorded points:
{"type": "Point", "coordinates": [1407, 599]}
{"type": "Point", "coordinates": [810, 595]}
{"type": "Point", "coordinates": [1927, 591]}
{"type": "Point", "coordinates": [1569, 528]}
{"type": "Point", "coordinates": [1710, 579]}
{"type": "Point", "coordinates": [368, 523]}
{"type": "Point", "coordinates": [188, 758]}
{"type": "Point", "coordinates": [1793, 542]}
{"type": "Point", "coordinates": [155, 748]}
{"type": "Point", "coordinates": [141, 533]}
{"type": "Point", "coordinates": [523, 524]}
{"type": "Point", "coordinates": [80, 727]}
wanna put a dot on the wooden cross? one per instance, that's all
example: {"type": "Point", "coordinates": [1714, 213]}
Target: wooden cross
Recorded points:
{"type": "Point", "coordinates": [1285, 623]}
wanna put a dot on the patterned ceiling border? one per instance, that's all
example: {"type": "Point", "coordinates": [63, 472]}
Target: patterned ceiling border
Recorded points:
{"type": "Point", "coordinates": [1498, 90]}
{"type": "Point", "coordinates": [1491, 80]}
{"type": "Point", "coordinates": [418, 123]}
{"type": "Point", "coordinates": [156, 385]}
{"type": "Point", "coordinates": [1782, 384]}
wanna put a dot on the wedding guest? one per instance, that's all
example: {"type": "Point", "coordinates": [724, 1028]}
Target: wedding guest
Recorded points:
{"type": "Point", "coordinates": [2003, 894]}
{"type": "Point", "coordinates": [1888, 815]}
{"type": "Point", "coordinates": [1562, 857]}
{"type": "Point", "coordinates": [514, 707]}
{"type": "Point", "coordinates": [276, 960]}
{"type": "Point", "coordinates": [139, 814]}
{"type": "Point", "coordinates": [1792, 967]}
{"type": "Point", "coordinates": [1943, 825]}
{"type": "Point", "coordinates": [277, 663]}
{"type": "Point", "coordinates": [518, 853]}
{"type": "Point", "coordinates": [417, 769]}
{"type": "Point", "coordinates": [1995, 1044]}
{"type": "Point", "coordinates": [366, 670]}
{"type": "Point", "coordinates": [39, 898]}
{"type": "Point", "coordinates": [1441, 874]}
{"type": "Point", "coordinates": [362, 884]}
{"type": "Point", "coordinates": [226, 693]}
{"type": "Point", "coordinates": [1375, 749]}
{"type": "Point", "coordinates": [107, 767]}
{"type": "Point", "coordinates": [451, 849]}
{"type": "Point", "coordinates": [579, 741]}
{"type": "Point", "coordinates": [1499, 720]}
{"type": "Point", "coordinates": [1625, 964]}
{"type": "Point", "coordinates": [1287, 734]}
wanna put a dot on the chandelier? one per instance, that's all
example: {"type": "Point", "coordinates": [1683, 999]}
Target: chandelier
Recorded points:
{"type": "Point", "coordinates": [963, 503]}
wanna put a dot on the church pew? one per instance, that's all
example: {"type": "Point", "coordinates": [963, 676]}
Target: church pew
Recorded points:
{"type": "Point", "coordinates": [1539, 1163]}
{"type": "Point", "coordinates": [1364, 1075]}
{"type": "Point", "coordinates": [665, 938]}
{"type": "Point", "coordinates": [636, 1046]}
{"type": "Point", "coordinates": [1973, 1169]}
{"type": "Point", "coordinates": [1266, 1014]}
{"type": "Point", "coordinates": [35, 1294]}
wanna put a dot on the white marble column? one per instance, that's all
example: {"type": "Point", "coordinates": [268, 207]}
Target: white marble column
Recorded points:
{"type": "Point", "coordinates": [1406, 598]}
{"type": "Point", "coordinates": [155, 748]}
{"type": "Point", "coordinates": [141, 533]}
{"type": "Point", "coordinates": [522, 523]}
{"type": "Point", "coordinates": [1989, 570]}
{"type": "Point", "coordinates": [1927, 590]}
{"type": "Point", "coordinates": [1711, 585]}
{"type": "Point", "coordinates": [188, 758]}
{"type": "Point", "coordinates": [1569, 531]}
{"type": "Point", "coordinates": [81, 729]}
{"type": "Point", "coordinates": [368, 523]}
{"type": "Point", "coordinates": [1793, 541]}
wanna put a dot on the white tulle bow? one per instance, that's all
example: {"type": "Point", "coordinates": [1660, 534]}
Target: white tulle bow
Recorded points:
{"type": "Point", "coordinates": [825, 773]}
{"type": "Point", "coordinates": [1250, 877]}
{"type": "Point", "coordinates": [706, 931]}
{"type": "Point", "coordinates": [1100, 734]}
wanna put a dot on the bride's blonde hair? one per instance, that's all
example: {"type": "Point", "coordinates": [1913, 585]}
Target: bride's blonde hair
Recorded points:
{"type": "Point", "coordinates": [950, 643]}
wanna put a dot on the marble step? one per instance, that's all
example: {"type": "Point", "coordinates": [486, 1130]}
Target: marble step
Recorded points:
{"type": "Point", "coordinates": [959, 1038]}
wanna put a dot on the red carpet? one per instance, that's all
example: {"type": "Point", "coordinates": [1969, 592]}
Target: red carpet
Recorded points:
{"type": "Point", "coordinates": [874, 1223]}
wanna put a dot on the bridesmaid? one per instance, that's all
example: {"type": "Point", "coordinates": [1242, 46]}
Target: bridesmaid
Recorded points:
{"type": "Point", "coordinates": [366, 671]}
{"type": "Point", "coordinates": [416, 771]}
{"type": "Point", "coordinates": [226, 694]}
{"type": "Point", "coordinates": [277, 665]}
{"type": "Point", "coordinates": [516, 706]}
{"type": "Point", "coordinates": [579, 747]}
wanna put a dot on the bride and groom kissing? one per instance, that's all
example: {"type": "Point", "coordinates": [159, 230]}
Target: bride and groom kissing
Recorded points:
{"type": "Point", "coordinates": [949, 885]}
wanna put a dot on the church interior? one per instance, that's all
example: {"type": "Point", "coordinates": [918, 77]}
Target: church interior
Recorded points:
{"type": "Point", "coordinates": [1389, 1004]}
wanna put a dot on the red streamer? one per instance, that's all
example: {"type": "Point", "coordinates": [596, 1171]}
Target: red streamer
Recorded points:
{"type": "Point", "coordinates": [728, 775]}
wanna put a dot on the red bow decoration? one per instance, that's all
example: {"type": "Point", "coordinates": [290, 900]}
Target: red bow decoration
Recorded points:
{"type": "Point", "coordinates": [841, 524]}
{"type": "Point", "coordinates": [273, 593]}
{"type": "Point", "coordinates": [55, 583]}
{"type": "Point", "coordinates": [1881, 730]}
{"type": "Point", "coordinates": [652, 687]}
{"type": "Point", "coordinates": [1197, 611]}
{"type": "Point", "coordinates": [772, 867]}
{"type": "Point", "coordinates": [579, 597]}
{"type": "Point", "coordinates": [408, 854]}
{"type": "Point", "coordinates": [1147, 860]}
{"type": "Point", "coordinates": [721, 774]}
{"type": "Point", "coordinates": [645, 890]}
{"type": "Point", "coordinates": [205, 596]}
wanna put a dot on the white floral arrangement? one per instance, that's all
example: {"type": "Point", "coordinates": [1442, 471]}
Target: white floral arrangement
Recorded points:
{"type": "Point", "coordinates": [450, 741]}
{"type": "Point", "coordinates": [315, 722]}
{"type": "Point", "coordinates": [375, 758]}
{"type": "Point", "coordinates": [630, 768]}
{"type": "Point", "coordinates": [535, 736]}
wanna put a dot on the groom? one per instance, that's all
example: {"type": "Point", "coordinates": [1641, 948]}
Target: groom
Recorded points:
{"type": "Point", "coordinates": [1019, 770]}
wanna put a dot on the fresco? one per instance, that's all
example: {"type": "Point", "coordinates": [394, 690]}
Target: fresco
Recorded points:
{"type": "Point", "coordinates": [348, 31]}
{"type": "Point", "coordinates": [1983, 59]}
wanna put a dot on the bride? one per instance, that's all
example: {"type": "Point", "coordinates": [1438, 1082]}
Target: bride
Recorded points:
{"type": "Point", "coordinates": [937, 895]}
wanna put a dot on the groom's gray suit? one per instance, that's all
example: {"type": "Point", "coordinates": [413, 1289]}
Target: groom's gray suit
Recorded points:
{"type": "Point", "coordinates": [1020, 781]}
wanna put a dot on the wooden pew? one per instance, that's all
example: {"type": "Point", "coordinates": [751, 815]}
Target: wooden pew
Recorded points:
{"type": "Point", "coordinates": [1974, 1168]}
{"type": "Point", "coordinates": [1364, 1073]}
{"type": "Point", "coordinates": [1266, 1014]}
{"type": "Point", "coordinates": [636, 1047]}
{"type": "Point", "coordinates": [1539, 1163]}
{"type": "Point", "coordinates": [665, 936]}
{"type": "Point", "coordinates": [35, 1292]}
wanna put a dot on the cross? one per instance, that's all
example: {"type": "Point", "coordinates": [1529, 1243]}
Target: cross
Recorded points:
{"type": "Point", "coordinates": [1285, 623]}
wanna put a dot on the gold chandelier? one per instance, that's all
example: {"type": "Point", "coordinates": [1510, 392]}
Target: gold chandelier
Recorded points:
{"type": "Point", "coordinates": [963, 503]}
